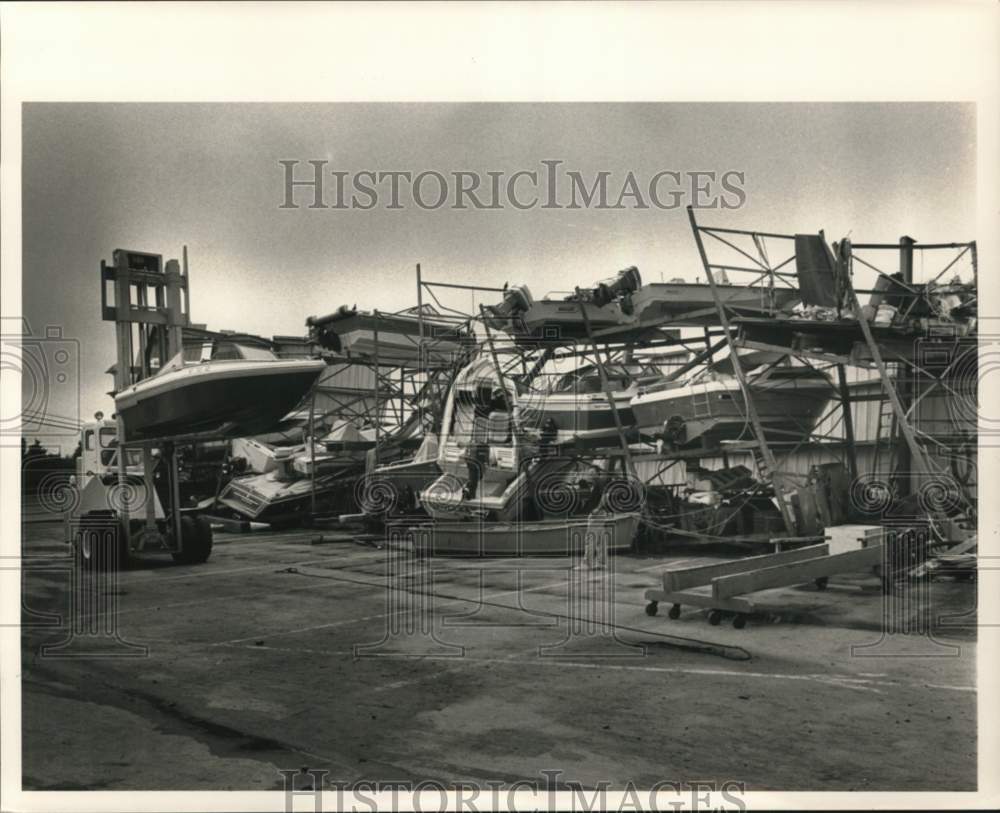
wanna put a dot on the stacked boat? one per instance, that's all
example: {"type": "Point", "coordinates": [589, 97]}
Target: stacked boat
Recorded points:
{"type": "Point", "coordinates": [626, 308]}
{"type": "Point", "coordinates": [710, 406]}
{"type": "Point", "coordinates": [565, 319]}
{"type": "Point", "coordinates": [576, 410]}
{"type": "Point", "coordinates": [409, 336]}
{"type": "Point", "coordinates": [679, 301]}
{"type": "Point", "coordinates": [285, 481]}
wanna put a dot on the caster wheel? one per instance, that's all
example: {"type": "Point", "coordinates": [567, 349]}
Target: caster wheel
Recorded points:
{"type": "Point", "coordinates": [674, 612]}
{"type": "Point", "coordinates": [822, 582]}
{"type": "Point", "coordinates": [714, 617]}
{"type": "Point", "coordinates": [652, 608]}
{"type": "Point", "coordinates": [740, 622]}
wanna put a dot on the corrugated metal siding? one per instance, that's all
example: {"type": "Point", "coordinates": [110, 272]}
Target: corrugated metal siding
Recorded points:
{"type": "Point", "coordinates": [346, 389]}
{"type": "Point", "coordinates": [864, 414]}
{"type": "Point", "coordinates": [946, 414]}
{"type": "Point", "coordinates": [795, 468]}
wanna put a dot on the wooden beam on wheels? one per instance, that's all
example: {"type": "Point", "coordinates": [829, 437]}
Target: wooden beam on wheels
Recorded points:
{"type": "Point", "coordinates": [758, 428]}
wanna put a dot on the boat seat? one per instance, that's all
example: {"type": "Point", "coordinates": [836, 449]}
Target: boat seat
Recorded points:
{"type": "Point", "coordinates": [498, 428]}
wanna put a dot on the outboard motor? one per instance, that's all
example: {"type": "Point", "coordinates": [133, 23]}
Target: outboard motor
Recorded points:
{"type": "Point", "coordinates": [517, 299]}
{"type": "Point", "coordinates": [674, 430]}
{"type": "Point", "coordinates": [626, 282]}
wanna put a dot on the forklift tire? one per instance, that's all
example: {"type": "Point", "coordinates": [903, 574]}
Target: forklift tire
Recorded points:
{"type": "Point", "coordinates": [101, 552]}
{"type": "Point", "coordinates": [196, 541]}
{"type": "Point", "coordinates": [205, 532]}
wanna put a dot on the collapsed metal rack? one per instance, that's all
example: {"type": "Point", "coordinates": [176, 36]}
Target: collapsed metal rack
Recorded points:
{"type": "Point", "coordinates": [900, 358]}
{"type": "Point", "coordinates": [849, 341]}
{"type": "Point", "coordinates": [906, 363]}
{"type": "Point", "coordinates": [400, 388]}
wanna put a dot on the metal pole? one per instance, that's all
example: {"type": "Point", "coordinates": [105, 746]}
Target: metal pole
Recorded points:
{"type": "Point", "coordinates": [901, 417]}
{"type": "Point", "coordinates": [420, 335]}
{"type": "Point", "coordinates": [175, 491]}
{"type": "Point", "coordinates": [175, 309]}
{"type": "Point", "coordinates": [623, 441]}
{"type": "Point", "coordinates": [698, 359]}
{"type": "Point", "coordinates": [147, 476]}
{"type": "Point", "coordinates": [499, 373]}
{"type": "Point", "coordinates": [758, 428]}
{"type": "Point", "coordinates": [123, 377]}
{"type": "Point", "coordinates": [905, 381]}
{"type": "Point", "coordinates": [845, 404]}
{"type": "Point", "coordinates": [312, 452]}
{"type": "Point", "coordinates": [378, 373]}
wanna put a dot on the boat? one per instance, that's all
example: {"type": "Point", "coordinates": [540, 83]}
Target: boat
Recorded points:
{"type": "Point", "coordinates": [673, 301]}
{"type": "Point", "coordinates": [576, 408]}
{"type": "Point", "coordinates": [264, 498]}
{"type": "Point", "coordinates": [282, 486]}
{"type": "Point", "coordinates": [543, 538]}
{"type": "Point", "coordinates": [389, 492]}
{"type": "Point", "coordinates": [390, 336]}
{"type": "Point", "coordinates": [709, 407]}
{"type": "Point", "coordinates": [521, 451]}
{"type": "Point", "coordinates": [284, 493]}
{"type": "Point", "coordinates": [240, 391]}
{"type": "Point", "coordinates": [557, 320]}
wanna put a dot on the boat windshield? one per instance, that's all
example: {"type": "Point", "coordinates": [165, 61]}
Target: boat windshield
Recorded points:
{"type": "Point", "coordinates": [709, 375]}
{"type": "Point", "coordinates": [175, 363]}
{"type": "Point", "coordinates": [228, 351]}
{"type": "Point", "coordinates": [587, 380]}
{"type": "Point", "coordinates": [223, 351]}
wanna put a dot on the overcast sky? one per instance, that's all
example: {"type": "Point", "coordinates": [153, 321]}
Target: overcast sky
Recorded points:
{"type": "Point", "coordinates": [155, 177]}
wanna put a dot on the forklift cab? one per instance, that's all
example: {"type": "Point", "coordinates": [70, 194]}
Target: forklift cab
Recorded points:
{"type": "Point", "coordinates": [100, 505]}
{"type": "Point", "coordinates": [97, 470]}
{"type": "Point", "coordinates": [98, 451]}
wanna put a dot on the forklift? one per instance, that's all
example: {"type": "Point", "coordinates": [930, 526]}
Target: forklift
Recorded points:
{"type": "Point", "coordinates": [96, 528]}
{"type": "Point", "coordinates": [129, 493]}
